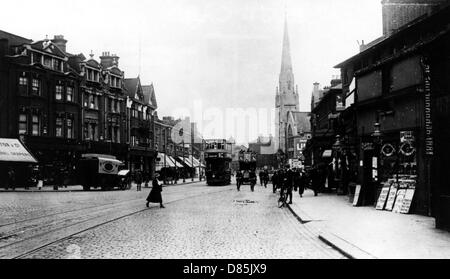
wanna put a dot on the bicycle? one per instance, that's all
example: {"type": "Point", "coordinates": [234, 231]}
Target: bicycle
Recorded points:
{"type": "Point", "coordinates": [282, 201]}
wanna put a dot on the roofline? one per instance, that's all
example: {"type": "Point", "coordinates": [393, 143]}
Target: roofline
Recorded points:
{"type": "Point", "coordinates": [400, 31]}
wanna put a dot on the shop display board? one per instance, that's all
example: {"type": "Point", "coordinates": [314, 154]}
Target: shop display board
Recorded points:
{"type": "Point", "coordinates": [407, 200]}
{"type": "Point", "coordinates": [399, 200]}
{"type": "Point", "coordinates": [391, 198]}
{"type": "Point", "coordinates": [356, 197]}
{"type": "Point", "coordinates": [383, 197]}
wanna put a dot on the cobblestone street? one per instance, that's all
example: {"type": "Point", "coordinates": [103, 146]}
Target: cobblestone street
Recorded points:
{"type": "Point", "coordinates": [198, 222]}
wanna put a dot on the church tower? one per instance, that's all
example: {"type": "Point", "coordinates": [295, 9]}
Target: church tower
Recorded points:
{"type": "Point", "coordinates": [286, 94]}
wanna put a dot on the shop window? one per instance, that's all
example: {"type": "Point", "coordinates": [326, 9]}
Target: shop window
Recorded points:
{"type": "Point", "coordinates": [35, 125]}
{"type": "Point", "coordinates": [59, 126]}
{"type": "Point", "coordinates": [23, 124]}
{"type": "Point", "coordinates": [36, 86]}
{"type": "Point", "coordinates": [398, 161]}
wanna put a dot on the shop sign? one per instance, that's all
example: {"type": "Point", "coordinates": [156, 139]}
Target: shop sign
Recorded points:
{"type": "Point", "coordinates": [367, 146]}
{"type": "Point", "coordinates": [391, 198]}
{"type": "Point", "coordinates": [406, 136]}
{"type": "Point", "coordinates": [399, 200]}
{"type": "Point", "coordinates": [407, 200]}
{"type": "Point", "coordinates": [407, 149]}
{"type": "Point", "coordinates": [356, 196]}
{"type": "Point", "coordinates": [12, 150]}
{"type": "Point", "coordinates": [382, 198]}
{"type": "Point", "coordinates": [387, 150]}
{"type": "Point", "coordinates": [427, 96]}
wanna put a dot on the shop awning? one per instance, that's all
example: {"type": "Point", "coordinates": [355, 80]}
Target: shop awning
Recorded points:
{"type": "Point", "coordinates": [12, 150]}
{"type": "Point", "coordinates": [186, 161]}
{"type": "Point", "coordinates": [164, 161]}
{"type": "Point", "coordinates": [175, 163]}
{"type": "Point", "coordinates": [326, 153]}
{"type": "Point", "coordinates": [196, 162]}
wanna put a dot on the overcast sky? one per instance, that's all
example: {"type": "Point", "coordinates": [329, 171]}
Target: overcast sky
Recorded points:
{"type": "Point", "coordinates": [224, 53]}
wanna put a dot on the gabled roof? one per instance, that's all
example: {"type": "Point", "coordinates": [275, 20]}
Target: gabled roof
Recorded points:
{"type": "Point", "coordinates": [93, 63]}
{"type": "Point", "coordinates": [49, 47]}
{"type": "Point", "coordinates": [149, 95]}
{"type": "Point", "coordinates": [132, 87]}
{"type": "Point", "coordinates": [14, 39]}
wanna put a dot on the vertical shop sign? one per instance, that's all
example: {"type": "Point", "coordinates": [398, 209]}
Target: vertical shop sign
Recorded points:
{"type": "Point", "coordinates": [427, 96]}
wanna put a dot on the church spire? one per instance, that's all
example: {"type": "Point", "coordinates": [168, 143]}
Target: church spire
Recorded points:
{"type": "Point", "coordinates": [286, 64]}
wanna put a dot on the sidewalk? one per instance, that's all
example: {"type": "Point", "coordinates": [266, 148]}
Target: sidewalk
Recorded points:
{"type": "Point", "coordinates": [363, 232]}
{"type": "Point", "coordinates": [49, 188]}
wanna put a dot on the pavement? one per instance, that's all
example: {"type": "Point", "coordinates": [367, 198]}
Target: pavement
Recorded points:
{"type": "Point", "coordinates": [367, 233]}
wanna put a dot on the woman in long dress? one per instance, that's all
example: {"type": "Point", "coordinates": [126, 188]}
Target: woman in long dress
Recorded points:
{"type": "Point", "coordinates": [155, 193]}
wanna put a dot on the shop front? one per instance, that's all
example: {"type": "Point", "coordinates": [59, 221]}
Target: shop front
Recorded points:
{"type": "Point", "coordinates": [16, 163]}
{"type": "Point", "coordinates": [390, 162]}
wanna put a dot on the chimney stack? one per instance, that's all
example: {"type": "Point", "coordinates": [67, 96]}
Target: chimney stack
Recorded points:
{"type": "Point", "coordinates": [60, 42]}
{"type": "Point", "coordinates": [108, 60]}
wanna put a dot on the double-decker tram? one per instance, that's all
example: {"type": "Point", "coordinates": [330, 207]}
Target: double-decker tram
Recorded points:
{"type": "Point", "coordinates": [218, 162]}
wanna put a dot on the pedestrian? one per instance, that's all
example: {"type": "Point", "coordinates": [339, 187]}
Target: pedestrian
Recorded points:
{"type": "Point", "coordinates": [261, 177]}
{"type": "Point", "coordinates": [266, 177]}
{"type": "Point", "coordinates": [146, 179]}
{"type": "Point", "coordinates": [11, 179]}
{"type": "Point", "coordinates": [302, 181]}
{"type": "Point", "coordinates": [238, 180]}
{"type": "Point", "coordinates": [176, 176]}
{"type": "Point", "coordinates": [39, 178]}
{"type": "Point", "coordinates": [138, 180]}
{"type": "Point", "coordinates": [155, 193]}
{"type": "Point", "coordinates": [315, 180]}
{"type": "Point", "coordinates": [275, 181]}
{"type": "Point", "coordinates": [253, 180]}
{"type": "Point", "coordinates": [289, 182]}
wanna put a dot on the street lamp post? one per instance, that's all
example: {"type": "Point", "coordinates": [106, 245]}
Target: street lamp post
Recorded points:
{"type": "Point", "coordinates": [184, 163]}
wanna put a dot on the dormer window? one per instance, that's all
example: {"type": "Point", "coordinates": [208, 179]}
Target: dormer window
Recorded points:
{"type": "Point", "coordinates": [36, 58]}
{"type": "Point", "coordinates": [47, 62]}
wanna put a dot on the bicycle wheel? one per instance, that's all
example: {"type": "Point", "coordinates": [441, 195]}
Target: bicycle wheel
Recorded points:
{"type": "Point", "coordinates": [280, 202]}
